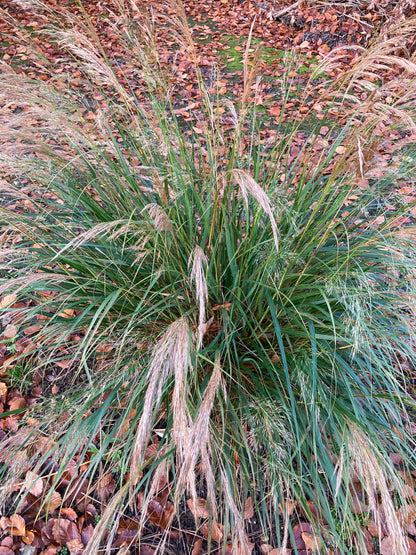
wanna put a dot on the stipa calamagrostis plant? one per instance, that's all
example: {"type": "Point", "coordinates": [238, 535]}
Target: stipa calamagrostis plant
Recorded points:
{"type": "Point", "coordinates": [247, 306]}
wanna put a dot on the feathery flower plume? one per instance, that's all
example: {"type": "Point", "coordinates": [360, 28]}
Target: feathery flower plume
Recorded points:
{"type": "Point", "coordinates": [159, 217]}
{"type": "Point", "coordinates": [249, 186]}
{"type": "Point", "coordinates": [198, 261]}
{"type": "Point", "coordinates": [198, 442]}
{"type": "Point", "coordinates": [170, 355]}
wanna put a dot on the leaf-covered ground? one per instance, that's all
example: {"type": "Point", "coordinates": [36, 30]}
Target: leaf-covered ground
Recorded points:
{"type": "Point", "coordinates": [220, 29]}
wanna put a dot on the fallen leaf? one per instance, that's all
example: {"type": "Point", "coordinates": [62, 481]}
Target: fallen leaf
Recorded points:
{"type": "Point", "coordinates": [197, 548]}
{"type": "Point", "coordinates": [64, 530]}
{"type": "Point", "coordinates": [199, 507]}
{"type": "Point", "coordinates": [10, 331]}
{"type": "Point", "coordinates": [17, 526]}
{"type": "Point", "coordinates": [146, 550]}
{"type": "Point", "coordinates": [7, 300]}
{"type": "Point", "coordinates": [406, 515]}
{"type": "Point", "coordinates": [249, 508]}
{"type": "Point", "coordinates": [312, 542]}
{"type": "Point", "coordinates": [51, 550]}
{"type": "Point", "coordinates": [75, 546]}
{"type": "Point", "coordinates": [69, 513]}
{"type": "Point", "coordinates": [214, 532]}
{"type": "Point", "coordinates": [16, 403]}
{"type": "Point", "coordinates": [64, 364]}
{"type": "Point", "coordinates": [298, 531]}
{"type": "Point", "coordinates": [289, 508]}
{"type": "Point", "coordinates": [160, 515]}
{"type": "Point", "coordinates": [274, 111]}
{"type": "Point", "coordinates": [105, 486]}
{"type": "Point", "coordinates": [411, 546]}
{"type": "Point", "coordinates": [28, 537]}
{"type": "Point", "coordinates": [55, 501]}
{"type": "Point", "coordinates": [33, 483]}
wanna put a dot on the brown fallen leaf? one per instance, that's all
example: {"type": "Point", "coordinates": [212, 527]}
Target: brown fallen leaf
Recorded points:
{"type": "Point", "coordinates": [406, 515]}
{"type": "Point", "coordinates": [146, 550]}
{"type": "Point", "coordinates": [231, 549]}
{"type": "Point", "coordinates": [312, 542]}
{"type": "Point", "coordinates": [17, 526]}
{"type": "Point", "coordinates": [298, 531]}
{"type": "Point", "coordinates": [30, 330]}
{"type": "Point", "coordinates": [411, 546]}
{"type": "Point", "coordinates": [160, 515]}
{"type": "Point", "coordinates": [214, 532]}
{"type": "Point", "coordinates": [51, 550]}
{"type": "Point", "coordinates": [248, 508]}
{"type": "Point", "coordinates": [387, 547]}
{"type": "Point", "coordinates": [288, 508]}
{"type": "Point", "coordinates": [3, 389]}
{"type": "Point", "coordinates": [69, 513]}
{"type": "Point", "coordinates": [28, 537]}
{"type": "Point", "coordinates": [17, 402]}
{"type": "Point", "coordinates": [64, 530]}
{"type": "Point", "coordinates": [10, 331]}
{"type": "Point", "coordinates": [86, 533]}
{"type": "Point", "coordinates": [266, 549]}
{"type": "Point", "coordinates": [75, 546]}
{"type": "Point", "coordinates": [106, 486]}
{"type": "Point", "coordinates": [199, 507]}
{"type": "Point", "coordinates": [7, 300]}
{"type": "Point", "coordinates": [33, 483]}
{"type": "Point", "coordinates": [64, 364]}
{"type": "Point", "coordinates": [197, 548]}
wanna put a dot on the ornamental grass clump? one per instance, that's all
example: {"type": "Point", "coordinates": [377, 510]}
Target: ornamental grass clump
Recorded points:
{"type": "Point", "coordinates": [246, 307]}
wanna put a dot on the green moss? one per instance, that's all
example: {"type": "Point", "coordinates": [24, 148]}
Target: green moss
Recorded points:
{"type": "Point", "coordinates": [233, 50]}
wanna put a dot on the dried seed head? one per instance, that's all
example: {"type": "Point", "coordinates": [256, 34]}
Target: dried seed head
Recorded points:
{"type": "Point", "coordinates": [199, 261]}
{"type": "Point", "coordinates": [249, 186]}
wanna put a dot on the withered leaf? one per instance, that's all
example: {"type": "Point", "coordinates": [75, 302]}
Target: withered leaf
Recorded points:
{"type": "Point", "coordinates": [10, 331]}
{"type": "Point", "coordinates": [214, 532]}
{"type": "Point", "coordinates": [197, 548]}
{"type": "Point", "coordinates": [3, 389]}
{"type": "Point", "coordinates": [64, 530]}
{"type": "Point", "coordinates": [75, 546]}
{"type": "Point", "coordinates": [29, 537]}
{"type": "Point", "coordinates": [105, 486]}
{"type": "Point", "coordinates": [17, 526]}
{"type": "Point", "coordinates": [86, 534]}
{"type": "Point", "coordinates": [160, 515]}
{"type": "Point", "coordinates": [51, 550]}
{"type": "Point", "coordinates": [54, 501]}
{"type": "Point", "coordinates": [249, 508]}
{"type": "Point", "coordinates": [33, 483]}
{"type": "Point", "coordinates": [312, 542]}
{"type": "Point", "coordinates": [126, 537]}
{"type": "Point", "coordinates": [199, 507]}
{"type": "Point", "coordinates": [298, 531]}
{"type": "Point", "coordinates": [69, 513]}
{"type": "Point", "coordinates": [266, 549]}
{"type": "Point", "coordinates": [406, 515]}
{"type": "Point", "coordinates": [146, 550]}
{"type": "Point", "coordinates": [7, 300]}
{"type": "Point", "coordinates": [16, 403]}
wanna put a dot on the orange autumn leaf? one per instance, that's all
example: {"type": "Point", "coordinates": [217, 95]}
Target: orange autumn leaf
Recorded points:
{"type": "Point", "coordinates": [17, 526]}
{"type": "Point", "coordinates": [312, 542]}
{"type": "Point", "coordinates": [249, 508]}
{"type": "Point", "coordinates": [199, 507]}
